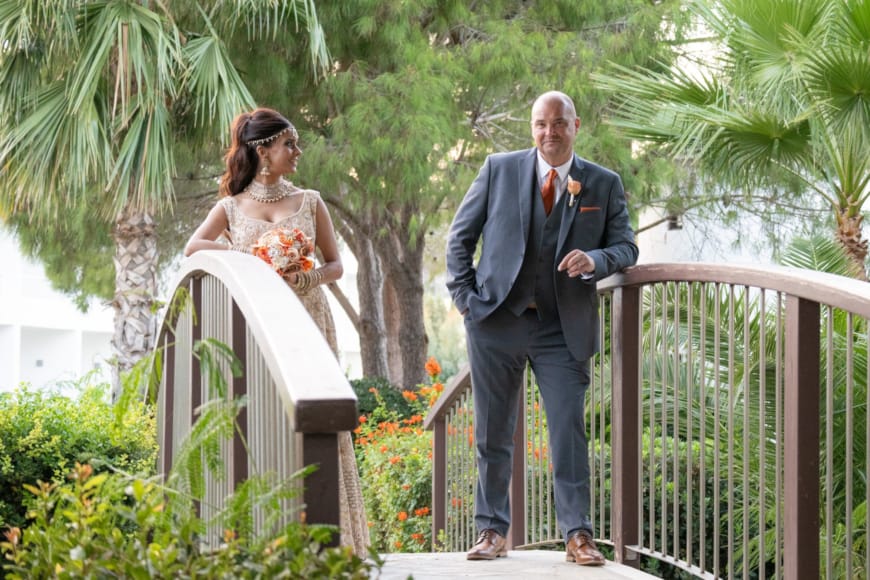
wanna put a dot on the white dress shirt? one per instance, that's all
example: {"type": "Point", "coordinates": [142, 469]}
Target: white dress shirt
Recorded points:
{"type": "Point", "coordinates": [561, 183]}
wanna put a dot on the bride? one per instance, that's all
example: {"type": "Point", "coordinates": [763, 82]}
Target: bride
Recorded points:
{"type": "Point", "coordinates": [255, 198]}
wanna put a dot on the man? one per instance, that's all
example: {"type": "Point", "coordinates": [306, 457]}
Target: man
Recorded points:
{"type": "Point", "coordinates": [532, 297]}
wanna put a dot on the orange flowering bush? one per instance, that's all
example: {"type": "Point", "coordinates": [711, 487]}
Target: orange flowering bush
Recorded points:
{"type": "Point", "coordinates": [395, 459]}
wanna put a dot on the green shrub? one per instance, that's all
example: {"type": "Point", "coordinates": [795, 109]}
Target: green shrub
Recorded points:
{"type": "Point", "coordinates": [44, 434]}
{"type": "Point", "coordinates": [390, 397]}
{"type": "Point", "coordinates": [117, 526]}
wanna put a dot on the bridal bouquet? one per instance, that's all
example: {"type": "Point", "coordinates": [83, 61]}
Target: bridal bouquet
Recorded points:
{"type": "Point", "coordinates": [286, 250]}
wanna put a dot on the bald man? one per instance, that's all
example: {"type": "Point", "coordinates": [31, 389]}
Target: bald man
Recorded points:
{"type": "Point", "coordinates": [552, 224]}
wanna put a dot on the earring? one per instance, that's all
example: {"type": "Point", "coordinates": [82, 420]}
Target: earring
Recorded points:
{"type": "Point", "coordinates": [265, 170]}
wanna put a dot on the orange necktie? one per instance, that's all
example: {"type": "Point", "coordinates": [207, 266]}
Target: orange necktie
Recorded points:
{"type": "Point", "coordinates": [548, 191]}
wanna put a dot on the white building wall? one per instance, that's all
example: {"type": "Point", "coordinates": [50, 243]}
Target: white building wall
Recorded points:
{"type": "Point", "coordinates": [702, 242]}
{"type": "Point", "coordinates": [10, 355]}
{"type": "Point", "coordinates": [350, 356]}
{"type": "Point", "coordinates": [44, 338]}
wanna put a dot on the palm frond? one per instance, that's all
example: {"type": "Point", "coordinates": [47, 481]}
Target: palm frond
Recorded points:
{"type": "Point", "coordinates": [131, 46]}
{"type": "Point", "coordinates": [854, 23]}
{"type": "Point", "coordinates": [262, 20]}
{"type": "Point", "coordinates": [777, 35]}
{"type": "Point", "coordinates": [753, 140]}
{"type": "Point", "coordinates": [847, 153]}
{"type": "Point", "coordinates": [53, 154]}
{"type": "Point", "coordinates": [143, 170]}
{"type": "Point", "coordinates": [657, 106]}
{"type": "Point", "coordinates": [819, 253]}
{"type": "Point", "coordinates": [839, 80]}
{"type": "Point", "coordinates": [214, 84]}
{"type": "Point", "coordinates": [785, 96]}
{"type": "Point", "coordinates": [46, 27]}
{"type": "Point", "coordinates": [19, 81]}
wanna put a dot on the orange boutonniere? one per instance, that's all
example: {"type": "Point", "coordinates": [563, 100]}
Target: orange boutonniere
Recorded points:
{"type": "Point", "coordinates": [574, 189]}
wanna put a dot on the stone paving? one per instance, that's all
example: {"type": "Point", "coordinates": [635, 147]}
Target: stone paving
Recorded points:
{"type": "Point", "coordinates": [519, 565]}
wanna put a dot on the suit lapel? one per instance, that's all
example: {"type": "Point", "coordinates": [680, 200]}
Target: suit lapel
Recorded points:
{"type": "Point", "coordinates": [569, 212]}
{"type": "Point", "coordinates": [526, 174]}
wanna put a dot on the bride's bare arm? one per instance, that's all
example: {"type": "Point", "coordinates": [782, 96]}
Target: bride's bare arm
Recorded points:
{"type": "Point", "coordinates": [208, 231]}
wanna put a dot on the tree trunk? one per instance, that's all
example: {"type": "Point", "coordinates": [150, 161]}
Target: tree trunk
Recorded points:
{"type": "Point", "coordinates": [851, 238]}
{"type": "Point", "coordinates": [372, 329]}
{"type": "Point", "coordinates": [392, 317]}
{"type": "Point", "coordinates": [403, 263]}
{"type": "Point", "coordinates": [135, 291]}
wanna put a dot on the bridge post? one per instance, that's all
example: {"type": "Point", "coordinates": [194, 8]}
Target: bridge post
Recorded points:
{"type": "Point", "coordinates": [625, 368]}
{"type": "Point", "coordinates": [439, 480]}
{"type": "Point", "coordinates": [321, 486]}
{"type": "Point", "coordinates": [802, 392]}
{"type": "Point", "coordinates": [517, 532]}
{"type": "Point", "coordinates": [239, 390]}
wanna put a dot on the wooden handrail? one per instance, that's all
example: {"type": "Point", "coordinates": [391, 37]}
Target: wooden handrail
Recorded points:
{"type": "Point", "coordinates": [839, 292]}
{"type": "Point", "coordinates": [316, 394]}
{"type": "Point", "coordinates": [299, 399]}
{"type": "Point", "coordinates": [802, 299]}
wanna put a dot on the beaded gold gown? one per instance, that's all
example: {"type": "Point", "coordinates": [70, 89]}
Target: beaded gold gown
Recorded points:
{"type": "Point", "coordinates": [245, 232]}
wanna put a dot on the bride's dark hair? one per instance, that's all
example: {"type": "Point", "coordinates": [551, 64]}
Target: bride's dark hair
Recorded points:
{"type": "Point", "coordinates": [241, 158]}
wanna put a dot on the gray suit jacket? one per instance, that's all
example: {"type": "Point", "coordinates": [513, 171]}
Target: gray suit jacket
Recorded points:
{"type": "Point", "coordinates": [498, 209]}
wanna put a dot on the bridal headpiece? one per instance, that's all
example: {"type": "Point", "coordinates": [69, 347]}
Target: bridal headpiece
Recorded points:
{"type": "Point", "coordinates": [265, 140]}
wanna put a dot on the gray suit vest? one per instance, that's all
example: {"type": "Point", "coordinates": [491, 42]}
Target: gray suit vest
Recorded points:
{"type": "Point", "coordinates": [535, 282]}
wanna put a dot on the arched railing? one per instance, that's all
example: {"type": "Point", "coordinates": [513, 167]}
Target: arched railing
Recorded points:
{"type": "Point", "coordinates": [728, 423]}
{"type": "Point", "coordinates": [298, 398]}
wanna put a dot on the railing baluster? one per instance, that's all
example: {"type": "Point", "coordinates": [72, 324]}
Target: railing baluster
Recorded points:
{"type": "Point", "coordinates": [676, 422]}
{"type": "Point", "coordinates": [829, 441]}
{"type": "Point", "coordinates": [780, 432]}
{"type": "Point", "coordinates": [717, 393]}
{"type": "Point", "coordinates": [867, 434]}
{"type": "Point", "coordinates": [744, 478]}
{"type": "Point", "coordinates": [850, 426]}
{"type": "Point", "coordinates": [240, 390]}
{"type": "Point", "coordinates": [662, 491]}
{"type": "Point", "coordinates": [702, 435]}
{"type": "Point", "coordinates": [690, 427]}
{"type": "Point", "coordinates": [167, 405]}
{"type": "Point", "coordinates": [730, 434]}
{"type": "Point", "coordinates": [762, 435]}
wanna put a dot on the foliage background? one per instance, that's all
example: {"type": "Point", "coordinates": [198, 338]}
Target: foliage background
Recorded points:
{"type": "Point", "coordinates": [44, 434]}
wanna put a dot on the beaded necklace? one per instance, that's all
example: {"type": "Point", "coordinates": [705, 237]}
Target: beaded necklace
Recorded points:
{"type": "Point", "coordinates": [268, 193]}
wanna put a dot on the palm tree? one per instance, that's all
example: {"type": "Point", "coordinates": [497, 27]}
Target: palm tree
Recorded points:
{"type": "Point", "coordinates": [95, 96]}
{"type": "Point", "coordinates": [784, 100]}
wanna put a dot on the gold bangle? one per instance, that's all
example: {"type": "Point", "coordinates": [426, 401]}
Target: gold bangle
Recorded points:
{"type": "Point", "coordinates": [303, 282]}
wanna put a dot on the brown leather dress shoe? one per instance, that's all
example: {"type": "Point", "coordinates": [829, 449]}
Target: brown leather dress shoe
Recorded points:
{"type": "Point", "coordinates": [489, 546]}
{"type": "Point", "coordinates": [581, 548]}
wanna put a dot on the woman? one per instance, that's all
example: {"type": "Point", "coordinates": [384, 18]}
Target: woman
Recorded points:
{"type": "Point", "coordinates": [255, 199]}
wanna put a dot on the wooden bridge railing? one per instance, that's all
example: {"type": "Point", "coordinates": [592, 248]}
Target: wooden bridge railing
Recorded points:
{"type": "Point", "coordinates": [298, 398]}
{"type": "Point", "coordinates": [728, 427]}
